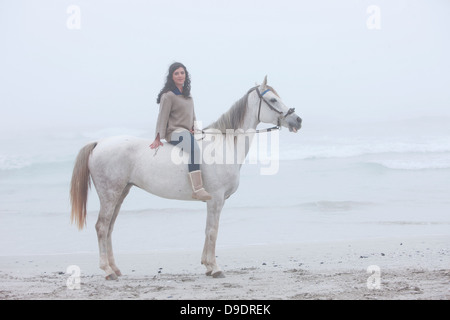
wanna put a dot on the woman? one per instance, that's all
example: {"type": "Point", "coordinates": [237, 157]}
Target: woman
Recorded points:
{"type": "Point", "coordinates": [175, 123]}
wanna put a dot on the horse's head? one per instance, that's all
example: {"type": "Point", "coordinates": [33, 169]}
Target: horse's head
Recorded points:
{"type": "Point", "coordinates": [271, 109]}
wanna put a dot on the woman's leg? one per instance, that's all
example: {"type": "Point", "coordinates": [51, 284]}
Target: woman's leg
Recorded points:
{"type": "Point", "coordinates": [185, 140]}
{"type": "Point", "coordinates": [187, 143]}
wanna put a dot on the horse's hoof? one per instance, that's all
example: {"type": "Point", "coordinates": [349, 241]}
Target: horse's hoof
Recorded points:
{"type": "Point", "coordinates": [118, 273]}
{"type": "Point", "coordinates": [208, 273]}
{"type": "Point", "coordinates": [111, 276]}
{"type": "Point", "coordinates": [218, 274]}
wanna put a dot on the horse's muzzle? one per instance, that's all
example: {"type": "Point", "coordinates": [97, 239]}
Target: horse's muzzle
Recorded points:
{"type": "Point", "coordinates": [295, 124]}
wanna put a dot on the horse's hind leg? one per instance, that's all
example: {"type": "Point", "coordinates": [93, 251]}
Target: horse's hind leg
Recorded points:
{"type": "Point", "coordinates": [111, 260]}
{"type": "Point", "coordinates": [110, 202]}
{"type": "Point", "coordinates": [102, 227]}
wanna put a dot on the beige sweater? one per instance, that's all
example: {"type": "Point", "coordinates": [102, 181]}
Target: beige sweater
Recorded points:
{"type": "Point", "coordinates": [175, 112]}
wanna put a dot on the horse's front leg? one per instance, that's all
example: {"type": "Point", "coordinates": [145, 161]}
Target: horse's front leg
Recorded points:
{"type": "Point", "coordinates": [214, 208]}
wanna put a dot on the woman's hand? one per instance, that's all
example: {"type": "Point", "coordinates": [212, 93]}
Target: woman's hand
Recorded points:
{"type": "Point", "coordinates": [195, 130]}
{"type": "Point", "coordinates": [157, 143]}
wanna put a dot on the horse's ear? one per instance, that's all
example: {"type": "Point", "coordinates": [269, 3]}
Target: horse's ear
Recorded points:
{"type": "Point", "coordinates": [264, 84]}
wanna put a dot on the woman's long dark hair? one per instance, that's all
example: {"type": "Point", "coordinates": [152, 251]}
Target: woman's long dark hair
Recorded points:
{"type": "Point", "coordinates": [170, 85]}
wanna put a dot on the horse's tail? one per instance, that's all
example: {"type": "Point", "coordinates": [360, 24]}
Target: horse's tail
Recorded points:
{"type": "Point", "coordinates": [79, 186]}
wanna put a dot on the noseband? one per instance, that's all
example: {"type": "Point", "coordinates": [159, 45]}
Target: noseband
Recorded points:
{"type": "Point", "coordinates": [261, 99]}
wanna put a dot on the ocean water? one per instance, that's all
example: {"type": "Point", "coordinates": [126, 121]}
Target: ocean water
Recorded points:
{"type": "Point", "coordinates": [333, 182]}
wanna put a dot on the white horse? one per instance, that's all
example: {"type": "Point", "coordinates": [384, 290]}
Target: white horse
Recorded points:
{"type": "Point", "coordinates": [118, 163]}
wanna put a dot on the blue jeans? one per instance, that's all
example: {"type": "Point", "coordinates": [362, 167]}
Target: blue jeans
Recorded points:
{"type": "Point", "coordinates": [186, 142]}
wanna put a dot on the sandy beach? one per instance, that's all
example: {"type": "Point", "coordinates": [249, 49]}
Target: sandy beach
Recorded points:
{"type": "Point", "coordinates": [394, 268]}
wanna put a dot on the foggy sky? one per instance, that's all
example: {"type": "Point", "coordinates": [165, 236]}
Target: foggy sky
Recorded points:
{"type": "Point", "coordinates": [320, 56]}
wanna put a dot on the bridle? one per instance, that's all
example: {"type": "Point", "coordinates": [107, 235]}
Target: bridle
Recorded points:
{"type": "Point", "coordinates": [281, 117]}
{"type": "Point", "coordinates": [261, 99]}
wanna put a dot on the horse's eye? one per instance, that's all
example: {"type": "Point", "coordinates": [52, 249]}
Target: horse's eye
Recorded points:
{"type": "Point", "coordinates": [273, 100]}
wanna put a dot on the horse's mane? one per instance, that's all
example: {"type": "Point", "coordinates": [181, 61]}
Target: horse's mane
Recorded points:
{"type": "Point", "coordinates": [233, 118]}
